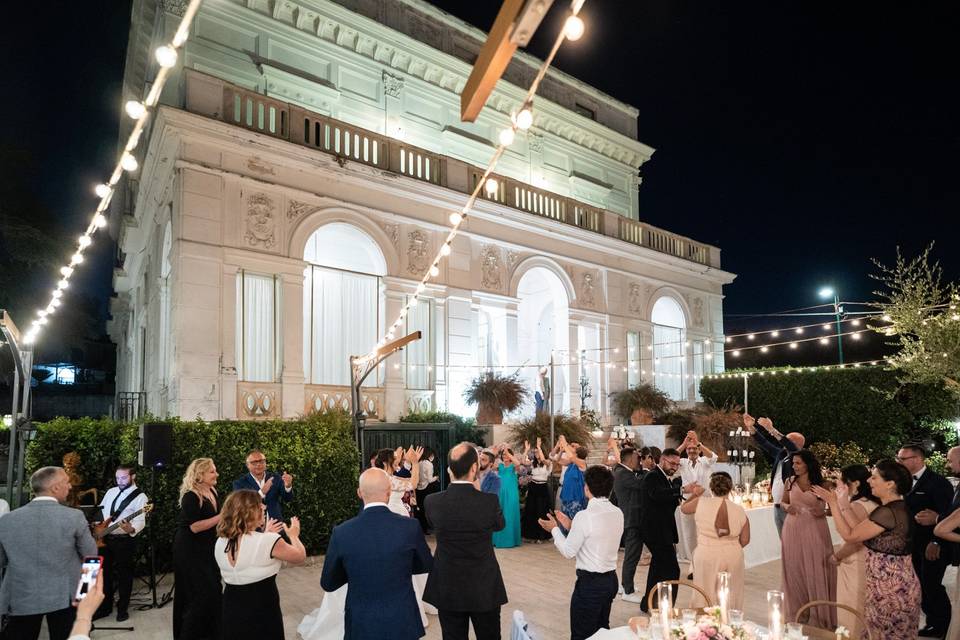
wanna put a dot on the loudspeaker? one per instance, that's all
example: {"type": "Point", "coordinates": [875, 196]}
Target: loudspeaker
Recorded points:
{"type": "Point", "coordinates": [156, 444]}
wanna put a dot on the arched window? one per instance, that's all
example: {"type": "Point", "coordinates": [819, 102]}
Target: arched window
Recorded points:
{"type": "Point", "coordinates": [669, 359]}
{"type": "Point", "coordinates": [341, 301]}
{"type": "Point", "coordinates": [543, 326]}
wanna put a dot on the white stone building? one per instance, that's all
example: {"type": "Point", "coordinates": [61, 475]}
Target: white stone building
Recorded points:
{"type": "Point", "coordinates": [298, 180]}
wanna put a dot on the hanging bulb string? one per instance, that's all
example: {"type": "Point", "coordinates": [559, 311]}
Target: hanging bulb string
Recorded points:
{"type": "Point", "coordinates": [522, 120]}
{"type": "Point", "coordinates": [140, 112]}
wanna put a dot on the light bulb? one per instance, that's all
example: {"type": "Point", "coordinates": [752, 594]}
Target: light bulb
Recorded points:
{"type": "Point", "coordinates": [99, 221]}
{"type": "Point", "coordinates": [456, 218]}
{"type": "Point", "coordinates": [736, 354]}
{"type": "Point", "coordinates": [445, 249]}
{"type": "Point", "coordinates": [390, 335]}
{"type": "Point", "coordinates": [128, 162]}
{"type": "Point", "coordinates": [55, 302]}
{"type": "Point", "coordinates": [855, 323]}
{"type": "Point", "coordinates": [573, 28]}
{"type": "Point", "coordinates": [166, 56]}
{"type": "Point", "coordinates": [66, 271]}
{"type": "Point", "coordinates": [793, 345]}
{"type": "Point", "coordinates": [30, 338]}
{"type": "Point", "coordinates": [42, 313]}
{"type": "Point", "coordinates": [413, 302]}
{"type": "Point", "coordinates": [764, 349]}
{"type": "Point", "coordinates": [420, 287]}
{"type": "Point", "coordinates": [750, 337]}
{"type": "Point", "coordinates": [826, 327]}
{"type": "Point", "coordinates": [524, 119]}
{"type": "Point", "coordinates": [76, 258]}
{"type": "Point", "coordinates": [491, 187]}
{"type": "Point", "coordinates": [855, 336]}
{"type": "Point", "coordinates": [729, 340]}
{"type": "Point", "coordinates": [434, 271]}
{"type": "Point", "coordinates": [57, 293]}
{"type": "Point", "coordinates": [135, 109]}
{"type": "Point", "coordinates": [102, 190]}
{"type": "Point", "coordinates": [775, 334]}
{"type": "Point", "coordinates": [506, 137]}
{"type": "Point", "coordinates": [63, 284]}
{"type": "Point", "coordinates": [824, 341]}
{"type": "Point", "coordinates": [799, 329]}
{"type": "Point", "coordinates": [84, 241]}
{"type": "Point", "coordinates": [50, 308]}
{"type": "Point", "coordinates": [41, 321]}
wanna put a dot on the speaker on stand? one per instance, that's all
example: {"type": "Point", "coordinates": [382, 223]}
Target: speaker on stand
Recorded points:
{"type": "Point", "coordinates": [155, 452]}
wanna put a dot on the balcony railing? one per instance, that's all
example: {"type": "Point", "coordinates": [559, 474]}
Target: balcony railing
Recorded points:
{"type": "Point", "coordinates": [215, 98]}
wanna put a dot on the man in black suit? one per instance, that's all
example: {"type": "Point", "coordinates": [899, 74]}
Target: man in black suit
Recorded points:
{"type": "Point", "coordinates": [779, 450]}
{"type": "Point", "coordinates": [465, 584]}
{"type": "Point", "coordinates": [928, 501]}
{"type": "Point", "coordinates": [660, 496]}
{"type": "Point", "coordinates": [628, 482]}
{"type": "Point", "coordinates": [272, 486]}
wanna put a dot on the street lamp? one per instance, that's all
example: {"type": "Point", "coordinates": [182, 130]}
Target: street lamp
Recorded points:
{"type": "Point", "coordinates": [829, 292]}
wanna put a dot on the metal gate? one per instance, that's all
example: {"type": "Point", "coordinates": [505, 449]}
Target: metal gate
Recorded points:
{"type": "Point", "coordinates": [439, 437]}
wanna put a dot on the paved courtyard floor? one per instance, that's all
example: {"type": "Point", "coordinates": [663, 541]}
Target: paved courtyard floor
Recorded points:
{"type": "Point", "coordinates": [539, 582]}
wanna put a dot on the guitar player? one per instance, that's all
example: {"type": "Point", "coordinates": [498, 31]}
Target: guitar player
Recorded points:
{"type": "Point", "coordinates": [118, 504]}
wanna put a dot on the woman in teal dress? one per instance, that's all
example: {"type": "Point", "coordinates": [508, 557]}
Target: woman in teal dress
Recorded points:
{"type": "Point", "coordinates": [509, 536]}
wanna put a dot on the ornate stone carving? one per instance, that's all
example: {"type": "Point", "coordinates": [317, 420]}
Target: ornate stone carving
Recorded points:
{"type": "Point", "coordinates": [257, 165]}
{"type": "Point", "coordinates": [490, 267]}
{"type": "Point", "coordinates": [698, 312]}
{"type": "Point", "coordinates": [261, 221]}
{"type": "Point", "coordinates": [392, 85]}
{"type": "Point", "coordinates": [393, 232]}
{"type": "Point", "coordinates": [535, 142]}
{"type": "Point", "coordinates": [297, 209]}
{"type": "Point", "coordinates": [258, 403]}
{"type": "Point", "coordinates": [586, 290]}
{"type": "Point", "coordinates": [176, 7]}
{"type": "Point", "coordinates": [635, 298]}
{"type": "Point", "coordinates": [512, 259]}
{"type": "Point", "coordinates": [418, 252]}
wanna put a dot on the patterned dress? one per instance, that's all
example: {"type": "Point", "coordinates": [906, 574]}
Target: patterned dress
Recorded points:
{"type": "Point", "coordinates": [893, 591]}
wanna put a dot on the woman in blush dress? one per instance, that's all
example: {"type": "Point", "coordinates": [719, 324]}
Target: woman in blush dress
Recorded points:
{"type": "Point", "coordinates": [892, 602]}
{"type": "Point", "coordinates": [856, 502]}
{"type": "Point", "coordinates": [806, 544]}
{"type": "Point", "coordinates": [723, 530]}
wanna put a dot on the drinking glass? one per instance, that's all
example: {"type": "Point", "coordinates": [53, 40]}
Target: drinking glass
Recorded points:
{"type": "Point", "coordinates": [689, 615]}
{"type": "Point", "coordinates": [794, 630]}
{"type": "Point", "coordinates": [736, 617]}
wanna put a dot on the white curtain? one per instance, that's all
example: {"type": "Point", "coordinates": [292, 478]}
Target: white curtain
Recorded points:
{"type": "Point", "coordinates": [668, 360]}
{"type": "Point", "coordinates": [340, 320]}
{"type": "Point", "coordinates": [419, 362]}
{"type": "Point", "coordinates": [633, 358]}
{"type": "Point", "coordinates": [257, 352]}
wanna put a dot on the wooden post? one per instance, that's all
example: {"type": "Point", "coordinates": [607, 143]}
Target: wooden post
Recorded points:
{"type": "Point", "coordinates": [494, 57]}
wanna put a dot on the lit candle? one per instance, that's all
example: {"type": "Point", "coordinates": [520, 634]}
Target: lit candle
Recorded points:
{"type": "Point", "coordinates": [723, 593]}
{"type": "Point", "coordinates": [775, 603]}
{"type": "Point", "coordinates": [663, 590]}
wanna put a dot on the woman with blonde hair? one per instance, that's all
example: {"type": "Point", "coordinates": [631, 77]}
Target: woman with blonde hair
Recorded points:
{"type": "Point", "coordinates": [249, 561]}
{"type": "Point", "coordinates": [196, 609]}
{"type": "Point", "coordinates": [722, 532]}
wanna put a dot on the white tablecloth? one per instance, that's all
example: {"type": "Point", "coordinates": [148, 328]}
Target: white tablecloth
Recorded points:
{"type": "Point", "coordinates": [764, 542]}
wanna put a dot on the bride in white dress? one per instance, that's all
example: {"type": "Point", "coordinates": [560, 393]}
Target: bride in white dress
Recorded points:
{"type": "Point", "coordinates": [326, 622]}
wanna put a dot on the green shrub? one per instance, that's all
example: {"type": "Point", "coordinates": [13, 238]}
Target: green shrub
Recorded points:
{"type": "Point", "coordinates": [538, 426]}
{"type": "Point", "coordinates": [465, 429]}
{"type": "Point", "coordinates": [832, 456]}
{"type": "Point", "coordinates": [318, 451]}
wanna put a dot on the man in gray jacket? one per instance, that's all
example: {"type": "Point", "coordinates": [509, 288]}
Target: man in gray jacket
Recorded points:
{"type": "Point", "coordinates": [42, 545]}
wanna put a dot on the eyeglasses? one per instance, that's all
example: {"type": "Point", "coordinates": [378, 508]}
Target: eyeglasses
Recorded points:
{"type": "Point", "coordinates": [899, 459]}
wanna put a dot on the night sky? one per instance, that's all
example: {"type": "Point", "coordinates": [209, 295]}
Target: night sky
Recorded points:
{"type": "Point", "coordinates": [803, 138]}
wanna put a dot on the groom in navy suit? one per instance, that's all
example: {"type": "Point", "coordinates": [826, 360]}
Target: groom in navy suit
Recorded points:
{"type": "Point", "coordinates": [272, 486]}
{"type": "Point", "coordinates": [376, 554]}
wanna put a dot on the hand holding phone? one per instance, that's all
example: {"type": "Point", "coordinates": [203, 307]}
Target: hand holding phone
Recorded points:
{"type": "Point", "coordinates": [89, 571]}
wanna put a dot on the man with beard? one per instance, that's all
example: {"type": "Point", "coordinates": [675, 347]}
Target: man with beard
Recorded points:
{"type": "Point", "coordinates": [488, 476]}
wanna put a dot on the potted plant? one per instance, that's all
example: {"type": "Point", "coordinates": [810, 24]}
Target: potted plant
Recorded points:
{"type": "Point", "coordinates": [494, 394]}
{"type": "Point", "coordinates": [640, 404]}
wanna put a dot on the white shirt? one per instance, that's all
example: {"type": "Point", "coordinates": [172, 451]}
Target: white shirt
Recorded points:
{"type": "Point", "coordinates": [699, 473]}
{"type": "Point", "coordinates": [260, 484]}
{"type": "Point", "coordinates": [776, 487]}
{"type": "Point", "coordinates": [594, 537]}
{"type": "Point", "coordinates": [135, 505]}
{"type": "Point", "coordinates": [540, 474]}
{"type": "Point", "coordinates": [426, 475]}
{"type": "Point", "coordinates": [919, 474]}
{"type": "Point", "coordinates": [254, 561]}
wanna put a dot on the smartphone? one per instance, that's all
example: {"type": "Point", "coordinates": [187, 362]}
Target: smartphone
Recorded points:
{"type": "Point", "coordinates": [89, 571]}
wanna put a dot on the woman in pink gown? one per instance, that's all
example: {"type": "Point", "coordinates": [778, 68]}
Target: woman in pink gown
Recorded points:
{"type": "Point", "coordinates": [807, 547]}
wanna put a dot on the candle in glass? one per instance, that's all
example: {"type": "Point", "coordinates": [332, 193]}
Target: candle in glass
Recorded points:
{"type": "Point", "coordinates": [775, 606]}
{"type": "Point", "coordinates": [666, 607]}
{"type": "Point", "coordinates": [723, 594]}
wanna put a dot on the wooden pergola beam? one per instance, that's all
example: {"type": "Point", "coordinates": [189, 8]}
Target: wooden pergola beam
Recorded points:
{"type": "Point", "coordinates": [494, 57]}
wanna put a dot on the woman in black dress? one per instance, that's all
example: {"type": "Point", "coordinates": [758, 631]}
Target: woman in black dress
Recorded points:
{"type": "Point", "coordinates": [249, 561]}
{"type": "Point", "coordinates": [538, 494]}
{"type": "Point", "coordinates": [196, 606]}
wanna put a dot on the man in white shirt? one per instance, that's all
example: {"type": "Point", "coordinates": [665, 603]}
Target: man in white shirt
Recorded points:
{"type": "Point", "coordinates": [593, 539]}
{"type": "Point", "coordinates": [117, 506]}
{"type": "Point", "coordinates": [695, 470]}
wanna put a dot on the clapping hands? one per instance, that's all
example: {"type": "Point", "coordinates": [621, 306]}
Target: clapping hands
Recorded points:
{"type": "Point", "coordinates": [413, 454]}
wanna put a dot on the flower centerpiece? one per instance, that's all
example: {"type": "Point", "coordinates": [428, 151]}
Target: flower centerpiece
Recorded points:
{"type": "Point", "coordinates": [842, 632]}
{"type": "Point", "coordinates": [709, 627]}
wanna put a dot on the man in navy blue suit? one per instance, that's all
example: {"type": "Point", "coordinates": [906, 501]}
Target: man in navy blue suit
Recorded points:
{"type": "Point", "coordinates": [272, 486]}
{"type": "Point", "coordinates": [376, 554]}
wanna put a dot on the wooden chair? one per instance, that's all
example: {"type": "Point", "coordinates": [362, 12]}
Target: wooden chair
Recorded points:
{"type": "Point", "coordinates": [679, 583]}
{"type": "Point", "coordinates": [837, 605]}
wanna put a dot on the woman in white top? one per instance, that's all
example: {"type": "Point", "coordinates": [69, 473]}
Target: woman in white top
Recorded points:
{"type": "Point", "coordinates": [695, 470]}
{"type": "Point", "coordinates": [538, 494]}
{"type": "Point", "coordinates": [249, 561]}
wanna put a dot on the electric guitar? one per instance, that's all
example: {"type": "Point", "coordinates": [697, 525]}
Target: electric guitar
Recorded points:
{"type": "Point", "coordinates": [102, 529]}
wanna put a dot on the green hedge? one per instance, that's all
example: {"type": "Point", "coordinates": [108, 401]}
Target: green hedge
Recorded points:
{"type": "Point", "coordinates": [866, 406]}
{"type": "Point", "coordinates": [465, 429]}
{"type": "Point", "coordinates": [318, 451]}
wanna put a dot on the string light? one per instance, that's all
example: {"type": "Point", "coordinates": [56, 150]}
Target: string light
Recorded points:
{"type": "Point", "coordinates": [524, 119]}
{"type": "Point", "coordinates": [573, 28]}
{"type": "Point", "coordinates": [506, 137]}
{"type": "Point", "coordinates": [456, 218]}
{"type": "Point", "coordinates": [491, 187]}
{"type": "Point", "coordinates": [139, 111]}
